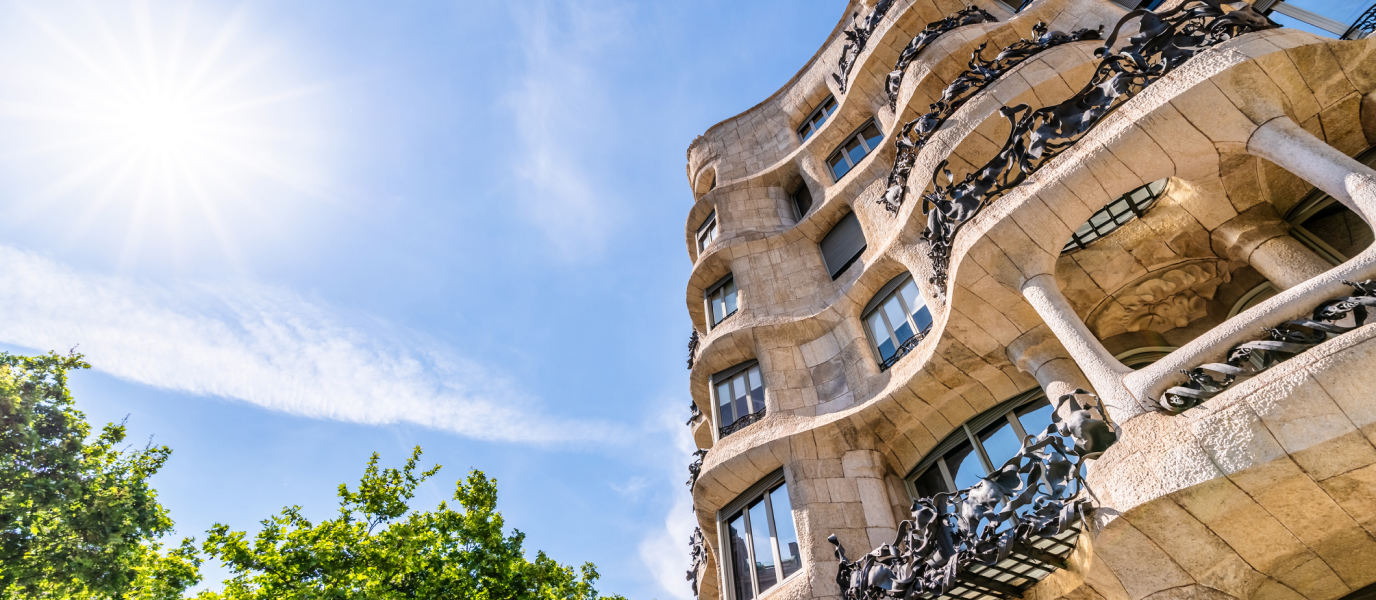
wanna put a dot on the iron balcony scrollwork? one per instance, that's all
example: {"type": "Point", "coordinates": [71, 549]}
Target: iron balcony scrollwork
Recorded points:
{"type": "Point", "coordinates": [903, 350]}
{"type": "Point", "coordinates": [1166, 41]}
{"type": "Point", "coordinates": [698, 549]}
{"type": "Point", "coordinates": [1334, 317]}
{"type": "Point", "coordinates": [914, 134]}
{"type": "Point", "coordinates": [1362, 26]}
{"type": "Point", "coordinates": [695, 467]}
{"type": "Point", "coordinates": [1036, 494]}
{"type": "Point", "coordinates": [694, 413]}
{"type": "Point", "coordinates": [857, 38]}
{"type": "Point", "coordinates": [967, 16]}
{"type": "Point", "coordinates": [742, 422]}
{"type": "Point", "coordinates": [692, 348]}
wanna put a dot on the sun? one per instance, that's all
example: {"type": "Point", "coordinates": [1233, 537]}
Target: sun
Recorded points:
{"type": "Point", "coordinates": [167, 127]}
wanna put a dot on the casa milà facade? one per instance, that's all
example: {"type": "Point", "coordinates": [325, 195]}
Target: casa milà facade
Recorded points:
{"type": "Point", "coordinates": [1042, 299]}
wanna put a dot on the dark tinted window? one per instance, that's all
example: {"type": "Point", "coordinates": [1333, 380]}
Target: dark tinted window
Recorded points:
{"type": "Point", "coordinates": [856, 147]}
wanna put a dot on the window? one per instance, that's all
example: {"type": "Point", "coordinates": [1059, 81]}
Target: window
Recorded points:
{"type": "Point", "coordinates": [802, 200]}
{"type": "Point", "coordinates": [739, 395]}
{"type": "Point", "coordinates": [1115, 215]}
{"type": "Point", "coordinates": [815, 120]}
{"type": "Point", "coordinates": [1329, 18]}
{"type": "Point", "coordinates": [982, 445]}
{"type": "Point", "coordinates": [707, 231]}
{"type": "Point", "coordinates": [842, 245]}
{"type": "Point", "coordinates": [721, 300]}
{"type": "Point", "coordinates": [1255, 296]}
{"type": "Point", "coordinates": [760, 539]}
{"type": "Point", "coordinates": [896, 319]}
{"type": "Point", "coordinates": [864, 141]}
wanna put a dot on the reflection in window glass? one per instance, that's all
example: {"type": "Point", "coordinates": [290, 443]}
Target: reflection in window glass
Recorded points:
{"type": "Point", "coordinates": [740, 394]}
{"type": "Point", "coordinates": [721, 300]}
{"type": "Point", "coordinates": [897, 320]}
{"type": "Point", "coordinates": [819, 116]}
{"type": "Point", "coordinates": [790, 561]}
{"type": "Point", "coordinates": [740, 558]}
{"type": "Point", "coordinates": [763, 543]}
{"type": "Point", "coordinates": [855, 148]}
{"type": "Point", "coordinates": [1000, 439]}
{"type": "Point", "coordinates": [1115, 215]}
{"type": "Point", "coordinates": [764, 551]}
{"type": "Point", "coordinates": [707, 231]}
{"type": "Point", "coordinates": [1328, 18]}
{"type": "Point", "coordinates": [965, 466]}
{"type": "Point", "coordinates": [1035, 417]}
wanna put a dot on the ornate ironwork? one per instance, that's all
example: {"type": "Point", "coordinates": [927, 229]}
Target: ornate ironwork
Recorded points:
{"type": "Point", "coordinates": [742, 422]}
{"type": "Point", "coordinates": [914, 134]}
{"type": "Point", "coordinates": [1362, 26]}
{"type": "Point", "coordinates": [1035, 495]}
{"type": "Point", "coordinates": [694, 413]}
{"type": "Point", "coordinates": [966, 16]}
{"type": "Point", "coordinates": [1334, 317]}
{"type": "Point", "coordinates": [698, 551]}
{"type": "Point", "coordinates": [692, 348]}
{"type": "Point", "coordinates": [903, 350]}
{"type": "Point", "coordinates": [1166, 41]}
{"type": "Point", "coordinates": [695, 467]}
{"type": "Point", "coordinates": [858, 37]}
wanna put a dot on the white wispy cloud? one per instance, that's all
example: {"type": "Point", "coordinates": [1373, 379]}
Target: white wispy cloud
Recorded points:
{"type": "Point", "coordinates": [270, 347]}
{"type": "Point", "coordinates": [559, 111]}
{"type": "Point", "coordinates": [664, 551]}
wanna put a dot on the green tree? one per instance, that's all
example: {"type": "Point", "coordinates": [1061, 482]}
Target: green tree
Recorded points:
{"type": "Point", "coordinates": [78, 518]}
{"type": "Point", "coordinates": [377, 548]}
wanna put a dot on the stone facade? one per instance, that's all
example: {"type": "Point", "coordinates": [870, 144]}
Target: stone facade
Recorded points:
{"type": "Point", "coordinates": [1265, 491]}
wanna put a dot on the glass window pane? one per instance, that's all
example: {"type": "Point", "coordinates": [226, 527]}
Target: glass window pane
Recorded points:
{"type": "Point", "coordinates": [718, 307]}
{"type": "Point", "coordinates": [872, 136]}
{"type": "Point", "coordinates": [966, 469]}
{"type": "Point", "coordinates": [839, 166]}
{"type": "Point", "coordinates": [742, 393]}
{"type": "Point", "coordinates": [923, 318]}
{"type": "Point", "coordinates": [881, 335]}
{"type": "Point", "coordinates": [727, 415]}
{"type": "Point", "coordinates": [756, 390]}
{"type": "Point", "coordinates": [894, 311]}
{"type": "Point", "coordinates": [805, 131]}
{"type": "Point", "coordinates": [855, 151]}
{"type": "Point", "coordinates": [831, 106]}
{"type": "Point", "coordinates": [764, 552]}
{"type": "Point", "coordinates": [1035, 417]}
{"type": "Point", "coordinates": [790, 561]}
{"type": "Point", "coordinates": [729, 303]}
{"type": "Point", "coordinates": [740, 558]}
{"type": "Point", "coordinates": [1342, 11]}
{"type": "Point", "coordinates": [1000, 442]}
{"type": "Point", "coordinates": [931, 483]}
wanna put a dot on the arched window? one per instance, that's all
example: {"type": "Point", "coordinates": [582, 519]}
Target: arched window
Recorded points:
{"type": "Point", "coordinates": [856, 147]}
{"type": "Point", "coordinates": [814, 121]}
{"type": "Point", "coordinates": [896, 319]}
{"type": "Point", "coordinates": [1115, 215]}
{"type": "Point", "coordinates": [981, 445]}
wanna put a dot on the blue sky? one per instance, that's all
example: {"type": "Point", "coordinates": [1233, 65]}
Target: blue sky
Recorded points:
{"type": "Point", "coordinates": [290, 234]}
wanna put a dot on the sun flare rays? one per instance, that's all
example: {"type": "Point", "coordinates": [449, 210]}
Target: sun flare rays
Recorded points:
{"type": "Point", "coordinates": [156, 128]}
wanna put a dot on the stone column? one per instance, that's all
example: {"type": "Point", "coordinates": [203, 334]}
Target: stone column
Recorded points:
{"type": "Point", "coordinates": [1104, 371]}
{"type": "Point", "coordinates": [1292, 148]}
{"type": "Point", "coordinates": [1259, 238]}
{"type": "Point", "coordinates": [865, 468]}
{"type": "Point", "coordinates": [1039, 353]}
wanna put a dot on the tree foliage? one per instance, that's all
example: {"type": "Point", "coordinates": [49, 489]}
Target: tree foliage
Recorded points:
{"type": "Point", "coordinates": [78, 518]}
{"type": "Point", "coordinates": [377, 548]}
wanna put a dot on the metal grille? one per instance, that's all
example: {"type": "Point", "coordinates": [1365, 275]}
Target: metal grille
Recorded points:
{"type": "Point", "coordinates": [1115, 215]}
{"type": "Point", "coordinates": [1011, 577]}
{"type": "Point", "coordinates": [1362, 26]}
{"type": "Point", "coordinates": [742, 422]}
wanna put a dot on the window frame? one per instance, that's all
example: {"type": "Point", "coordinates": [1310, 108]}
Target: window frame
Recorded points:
{"type": "Point", "coordinates": [1136, 210]}
{"type": "Point", "coordinates": [840, 148]}
{"type": "Point", "coordinates": [1337, 28]}
{"type": "Point", "coordinates": [802, 190]}
{"type": "Point", "coordinates": [808, 122]}
{"type": "Point", "coordinates": [1314, 202]}
{"type": "Point", "coordinates": [968, 432]}
{"type": "Point", "coordinates": [729, 279]}
{"type": "Point", "coordinates": [891, 289]}
{"type": "Point", "coordinates": [760, 491]}
{"type": "Point", "coordinates": [708, 226]}
{"type": "Point", "coordinates": [727, 375]}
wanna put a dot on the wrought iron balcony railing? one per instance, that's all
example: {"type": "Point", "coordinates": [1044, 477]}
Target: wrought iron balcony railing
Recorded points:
{"type": "Point", "coordinates": [742, 423]}
{"type": "Point", "coordinates": [999, 537]}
